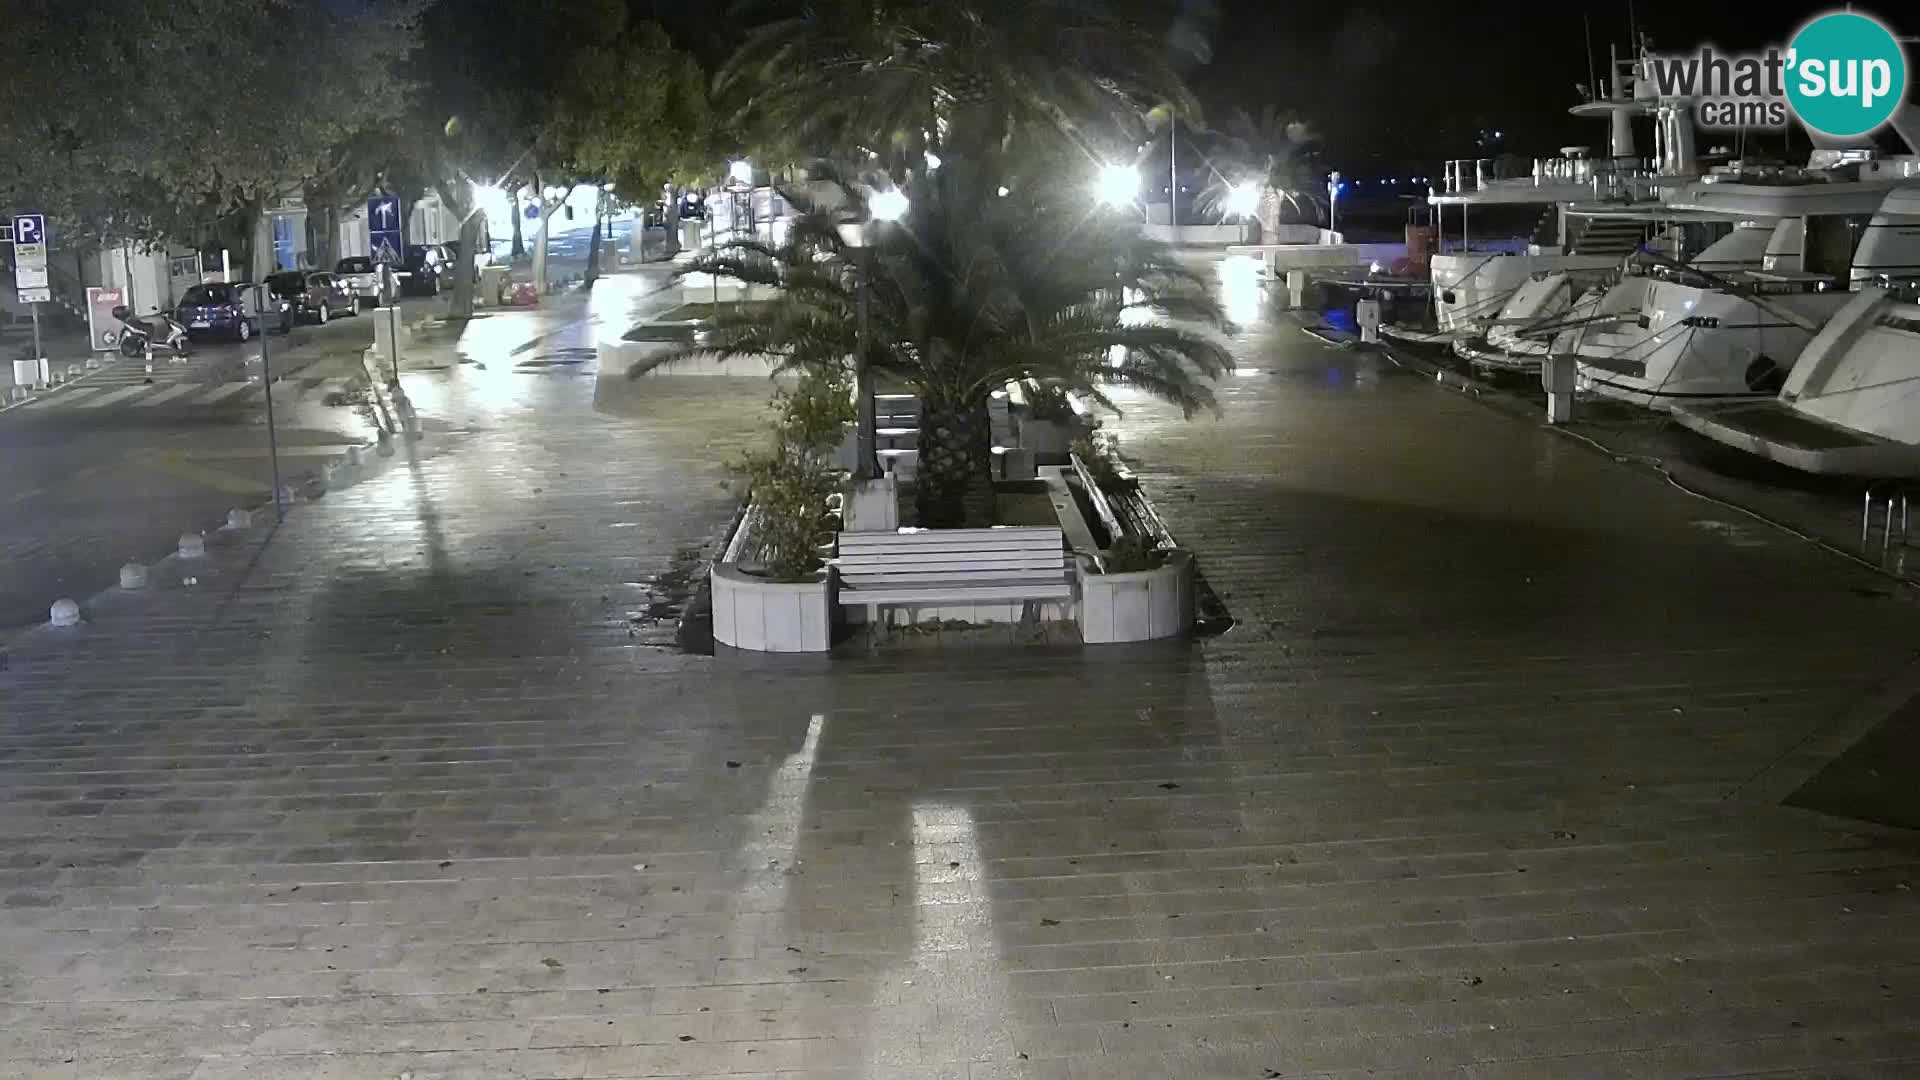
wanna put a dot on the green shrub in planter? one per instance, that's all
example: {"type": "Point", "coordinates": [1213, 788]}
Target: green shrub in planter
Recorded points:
{"type": "Point", "coordinates": [1130, 555]}
{"type": "Point", "coordinates": [792, 481]}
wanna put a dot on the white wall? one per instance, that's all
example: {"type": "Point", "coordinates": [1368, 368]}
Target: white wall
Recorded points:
{"type": "Point", "coordinates": [146, 275]}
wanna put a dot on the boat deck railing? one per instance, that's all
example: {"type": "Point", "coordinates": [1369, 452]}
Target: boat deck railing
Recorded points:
{"type": "Point", "coordinates": [1611, 179]}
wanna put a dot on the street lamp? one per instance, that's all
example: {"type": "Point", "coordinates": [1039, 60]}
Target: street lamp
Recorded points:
{"type": "Point", "coordinates": [1243, 200]}
{"type": "Point", "coordinates": [1333, 201]}
{"type": "Point", "coordinates": [883, 208]}
{"type": "Point", "coordinates": [1117, 185]}
{"type": "Point", "coordinates": [889, 205]}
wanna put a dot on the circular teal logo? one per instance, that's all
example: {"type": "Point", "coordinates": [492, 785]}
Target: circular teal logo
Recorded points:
{"type": "Point", "coordinates": [1846, 74]}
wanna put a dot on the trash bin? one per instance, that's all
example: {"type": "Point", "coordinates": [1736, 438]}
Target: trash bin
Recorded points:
{"type": "Point", "coordinates": [690, 233]}
{"type": "Point", "coordinates": [493, 285]}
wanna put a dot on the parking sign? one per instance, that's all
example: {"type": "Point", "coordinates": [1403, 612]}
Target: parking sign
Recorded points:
{"type": "Point", "coordinates": [29, 228]}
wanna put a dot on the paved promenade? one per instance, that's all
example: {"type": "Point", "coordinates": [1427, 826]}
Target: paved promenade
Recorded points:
{"type": "Point", "coordinates": [1484, 783]}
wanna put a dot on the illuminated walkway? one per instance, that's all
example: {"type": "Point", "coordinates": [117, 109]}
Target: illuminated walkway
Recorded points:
{"type": "Point", "coordinates": [1484, 783]}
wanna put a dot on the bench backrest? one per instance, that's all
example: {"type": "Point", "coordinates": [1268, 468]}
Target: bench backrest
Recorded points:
{"type": "Point", "coordinates": [912, 556]}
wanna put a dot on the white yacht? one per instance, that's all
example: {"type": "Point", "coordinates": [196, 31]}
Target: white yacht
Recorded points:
{"type": "Point", "coordinates": [1851, 405]}
{"type": "Point", "coordinates": [1720, 330]}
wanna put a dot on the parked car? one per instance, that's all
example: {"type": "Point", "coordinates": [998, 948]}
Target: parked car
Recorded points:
{"type": "Point", "coordinates": [218, 308]}
{"type": "Point", "coordinates": [314, 297]}
{"type": "Point", "coordinates": [361, 276]}
{"type": "Point", "coordinates": [429, 268]}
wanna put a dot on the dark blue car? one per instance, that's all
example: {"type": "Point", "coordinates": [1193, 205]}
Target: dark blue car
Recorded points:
{"type": "Point", "coordinates": [217, 308]}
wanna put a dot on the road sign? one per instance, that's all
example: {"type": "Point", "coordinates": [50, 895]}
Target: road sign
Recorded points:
{"type": "Point", "coordinates": [29, 229]}
{"type": "Point", "coordinates": [384, 239]}
{"type": "Point", "coordinates": [36, 296]}
{"type": "Point", "coordinates": [30, 257]}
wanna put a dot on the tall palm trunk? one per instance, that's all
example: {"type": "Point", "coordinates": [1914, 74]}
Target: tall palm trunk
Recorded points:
{"type": "Point", "coordinates": [519, 242]}
{"type": "Point", "coordinates": [953, 483]}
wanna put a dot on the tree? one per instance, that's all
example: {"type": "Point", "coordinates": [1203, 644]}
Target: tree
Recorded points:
{"type": "Point", "coordinates": [107, 121]}
{"type": "Point", "coordinates": [969, 292]}
{"type": "Point", "coordinates": [552, 100]}
{"type": "Point", "coordinates": [1278, 150]}
{"type": "Point", "coordinates": [905, 78]}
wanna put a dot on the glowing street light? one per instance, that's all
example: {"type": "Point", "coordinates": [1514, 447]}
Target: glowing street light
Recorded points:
{"type": "Point", "coordinates": [1117, 185]}
{"type": "Point", "coordinates": [889, 205]}
{"type": "Point", "coordinates": [1243, 200]}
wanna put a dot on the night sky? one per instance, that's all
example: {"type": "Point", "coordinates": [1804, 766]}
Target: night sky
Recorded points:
{"type": "Point", "coordinates": [1396, 85]}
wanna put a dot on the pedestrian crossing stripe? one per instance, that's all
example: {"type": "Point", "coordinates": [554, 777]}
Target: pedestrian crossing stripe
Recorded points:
{"type": "Point", "coordinates": [166, 395]}
{"type": "Point", "coordinates": [223, 391]}
{"type": "Point", "coordinates": [112, 396]}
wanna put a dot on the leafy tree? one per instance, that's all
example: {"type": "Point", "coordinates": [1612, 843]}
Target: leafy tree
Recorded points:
{"type": "Point", "coordinates": [903, 79]}
{"type": "Point", "coordinates": [1280, 150]}
{"type": "Point", "coordinates": [162, 117]}
{"type": "Point", "coordinates": [968, 292]}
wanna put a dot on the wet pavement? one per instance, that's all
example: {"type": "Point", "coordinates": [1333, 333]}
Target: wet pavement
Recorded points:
{"type": "Point", "coordinates": [1485, 781]}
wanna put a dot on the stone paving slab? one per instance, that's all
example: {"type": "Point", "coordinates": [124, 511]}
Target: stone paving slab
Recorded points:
{"type": "Point", "coordinates": [1478, 786]}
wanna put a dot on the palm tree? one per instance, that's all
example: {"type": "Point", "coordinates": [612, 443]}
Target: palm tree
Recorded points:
{"type": "Point", "coordinates": [1276, 149]}
{"type": "Point", "coordinates": [971, 291]}
{"type": "Point", "coordinates": [902, 79]}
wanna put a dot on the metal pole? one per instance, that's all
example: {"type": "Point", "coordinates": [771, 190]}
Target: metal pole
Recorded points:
{"type": "Point", "coordinates": [393, 324]}
{"type": "Point", "coordinates": [1173, 177]}
{"type": "Point", "coordinates": [868, 434]}
{"type": "Point", "coordinates": [38, 358]}
{"type": "Point", "coordinates": [273, 435]}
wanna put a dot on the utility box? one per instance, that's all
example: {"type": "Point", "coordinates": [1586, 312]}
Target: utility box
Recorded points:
{"type": "Point", "coordinates": [33, 373]}
{"type": "Point", "coordinates": [1559, 373]}
{"type": "Point", "coordinates": [493, 286]}
{"type": "Point", "coordinates": [1366, 315]}
{"type": "Point", "coordinates": [103, 330]}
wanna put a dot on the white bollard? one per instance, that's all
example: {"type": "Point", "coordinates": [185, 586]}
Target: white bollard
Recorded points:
{"type": "Point", "coordinates": [64, 613]}
{"type": "Point", "coordinates": [239, 519]}
{"type": "Point", "coordinates": [93, 363]}
{"type": "Point", "coordinates": [1366, 315]}
{"type": "Point", "coordinates": [1296, 288]}
{"type": "Point", "coordinates": [1559, 377]}
{"type": "Point", "coordinates": [193, 546]}
{"type": "Point", "coordinates": [355, 457]}
{"type": "Point", "coordinates": [385, 446]}
{"type": "Point", "coordinates": [133, 576]}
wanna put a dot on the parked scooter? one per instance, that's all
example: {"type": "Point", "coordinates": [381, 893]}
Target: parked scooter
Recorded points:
{"type": "Point", "coordinates": [139, 337]}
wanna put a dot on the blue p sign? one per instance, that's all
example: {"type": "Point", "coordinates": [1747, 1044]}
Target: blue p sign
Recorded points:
{"type": "Point", "coordinates": [30, 228]}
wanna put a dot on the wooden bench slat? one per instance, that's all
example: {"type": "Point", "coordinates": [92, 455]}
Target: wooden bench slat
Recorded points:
{"type": "Point", "coordinates": [985, 558]}
{"type": "Point", "coordinates": [1018, 590]}
{"type": "Point", "coordinates": [861, 578]}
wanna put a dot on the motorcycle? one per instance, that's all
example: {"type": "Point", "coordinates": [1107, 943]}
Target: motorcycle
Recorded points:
{"type": "Point", "coordinates": [137, 336]}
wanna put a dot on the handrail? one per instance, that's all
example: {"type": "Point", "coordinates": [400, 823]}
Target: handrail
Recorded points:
{"type": "Point", "coordinates": [1896, 492]}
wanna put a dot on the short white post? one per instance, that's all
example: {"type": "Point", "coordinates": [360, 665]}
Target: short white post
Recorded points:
{"type": "Point", "coordinates": [239, 519]}
{"type": "Point", "coordinates": [1558, 374]}
{"type": "Point", "coordinates": [133, 576]}
{"type": "Point", "coordinates": [1366, 314]}
{"type": "Point", "coordinates": [193, 546]}
{"type": "Point", "coordinates": [64, 613]}
{"type": "Point", "coordinates": [1296, 288]}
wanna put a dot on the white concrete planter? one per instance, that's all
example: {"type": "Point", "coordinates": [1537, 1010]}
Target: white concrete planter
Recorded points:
{"type": "Point", "coordinates": [771, 616]}
{"type": "Point", "coordinates": [1142, 606]}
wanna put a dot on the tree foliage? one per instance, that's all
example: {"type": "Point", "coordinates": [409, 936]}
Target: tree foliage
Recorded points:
{"type": "Point", "coordinates": [902, 78]}
{"type": "Point", "coordinates": [970, 291]}
{"type": "Point", "coordinates": [145, 118]}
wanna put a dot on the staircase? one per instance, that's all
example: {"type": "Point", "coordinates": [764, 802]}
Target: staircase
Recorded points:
{"type": "Point", "coordinates": [1605, 236]}
{"type": "Point", "coordinates": [1546, 231]}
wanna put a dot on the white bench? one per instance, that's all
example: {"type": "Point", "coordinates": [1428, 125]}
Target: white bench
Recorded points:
{"type": "Point", "coordinates": [957, 566]}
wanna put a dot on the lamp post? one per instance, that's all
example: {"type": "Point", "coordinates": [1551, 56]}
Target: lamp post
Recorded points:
{"type": "Point", "coordinates": [1333, 201]}
{"type": "Point", "coordinates": [883, 208]}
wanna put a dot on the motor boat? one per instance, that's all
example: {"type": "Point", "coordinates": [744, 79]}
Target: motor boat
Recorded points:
{"type": "Point", "coordinates": [1851, 405]}
{"type": "Point", "coordinates": [1678, 333]}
